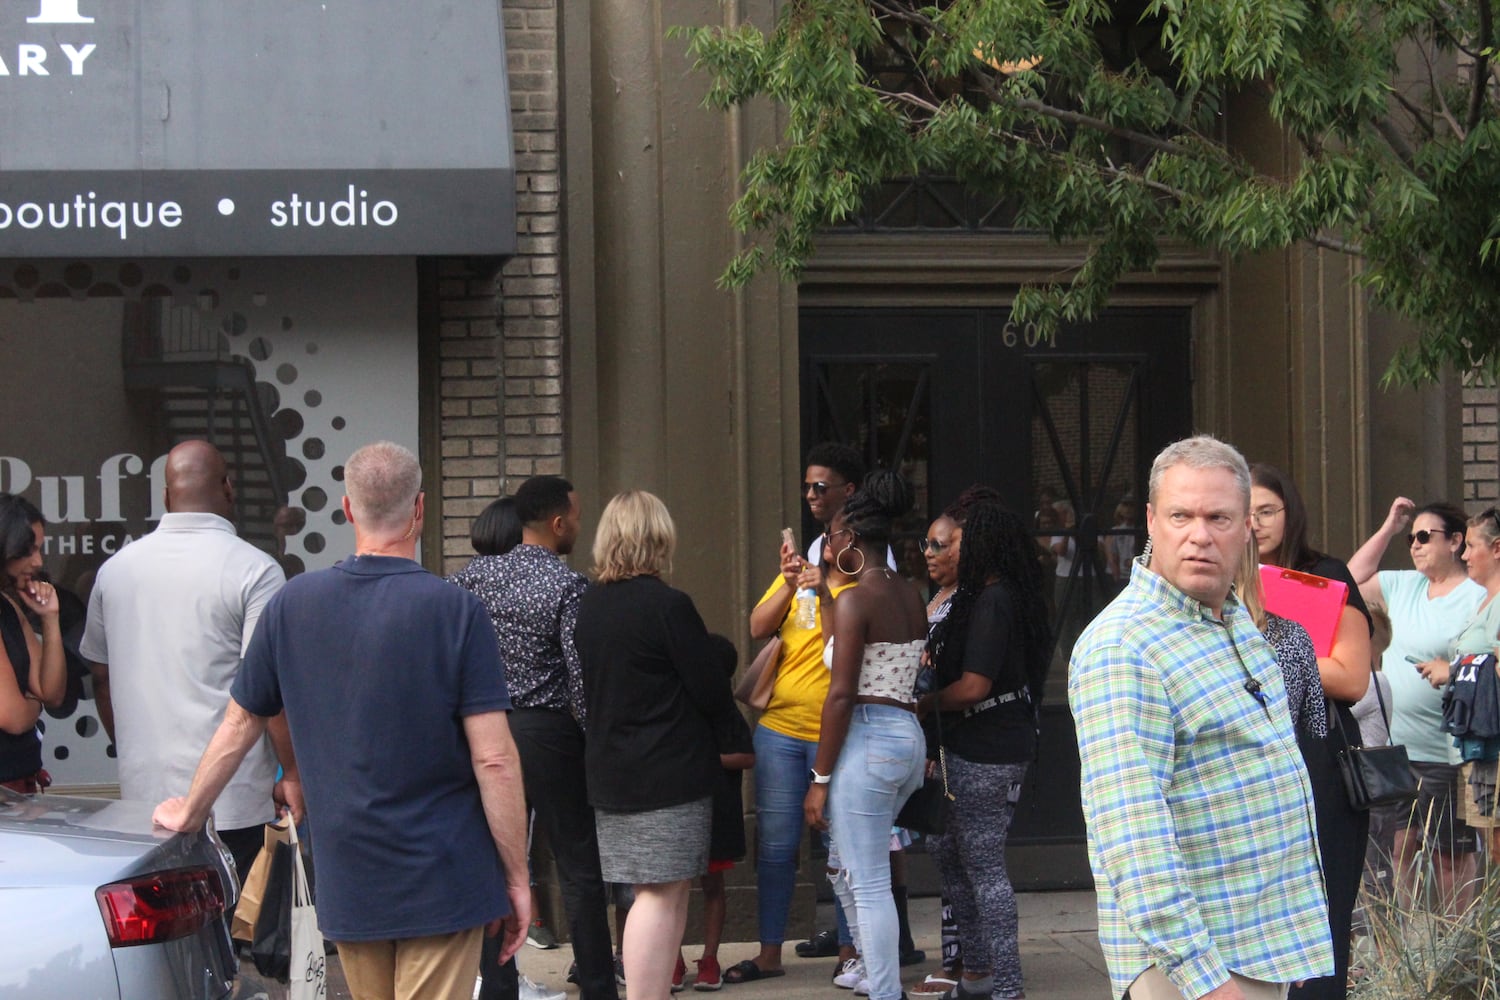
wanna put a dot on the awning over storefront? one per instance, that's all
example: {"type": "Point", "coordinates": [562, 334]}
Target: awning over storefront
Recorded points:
{"type": "Point", "coordinates": [152, 128]}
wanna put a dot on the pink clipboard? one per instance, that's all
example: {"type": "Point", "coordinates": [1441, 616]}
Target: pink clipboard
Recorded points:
{"type": "Point", "coordinates": [1314, 602]}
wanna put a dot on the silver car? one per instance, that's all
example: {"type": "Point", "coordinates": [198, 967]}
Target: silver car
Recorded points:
{"type": "Point", "coordinates": [95, 903]}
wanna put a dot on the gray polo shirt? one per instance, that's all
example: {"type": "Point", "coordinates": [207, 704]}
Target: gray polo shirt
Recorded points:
{"type": "Point", "coordinates": [172, 613]}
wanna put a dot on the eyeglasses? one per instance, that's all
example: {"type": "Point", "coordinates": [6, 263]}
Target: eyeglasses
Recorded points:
{"type": "Point", "coordinates": [819, 488]}
{"type": "Point", "coordinates": [1263, 515]}
{"type": "Point", "coordinates": [1423, 537]}
{"type": "Point", "coordinates": [933, 547]}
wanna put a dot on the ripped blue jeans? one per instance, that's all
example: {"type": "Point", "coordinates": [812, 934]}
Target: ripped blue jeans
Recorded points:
{"type": "Point", "coordinates": [878, 769]}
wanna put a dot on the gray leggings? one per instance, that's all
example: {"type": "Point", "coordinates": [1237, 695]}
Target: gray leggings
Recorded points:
{"type": "Point", "coordinates": [971, 859]}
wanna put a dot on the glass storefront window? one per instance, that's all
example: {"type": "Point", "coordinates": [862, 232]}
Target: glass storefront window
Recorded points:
{"type": "Point", "coordinates": [286, 365]}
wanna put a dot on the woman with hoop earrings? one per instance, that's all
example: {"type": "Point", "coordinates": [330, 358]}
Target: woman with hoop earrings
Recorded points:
{"type": "Point", "coordinates": [871, 749]}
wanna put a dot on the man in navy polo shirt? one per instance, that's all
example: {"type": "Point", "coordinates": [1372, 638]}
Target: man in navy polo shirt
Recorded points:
{"type": "Point", "coordinates": [392, 687]}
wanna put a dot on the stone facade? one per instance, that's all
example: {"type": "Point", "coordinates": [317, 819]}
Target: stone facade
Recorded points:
{"type": "Point", "coordinates": [501, 337]}
{"type": "Point", "coordinates": [1481, 446]}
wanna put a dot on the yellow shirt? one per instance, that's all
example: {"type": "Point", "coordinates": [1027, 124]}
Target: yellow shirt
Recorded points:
{"type": "Point", "coordinates": [796, 708]}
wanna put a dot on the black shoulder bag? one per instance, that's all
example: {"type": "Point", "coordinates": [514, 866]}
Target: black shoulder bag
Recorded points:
{"type": "Point", "coordinates": [1373, 776]}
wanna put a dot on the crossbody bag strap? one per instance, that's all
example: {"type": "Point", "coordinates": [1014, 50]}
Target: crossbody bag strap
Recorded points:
{"type": "Point", "coordinates": [1335, 724]}
{"type": "Point", "coordinates": [942, 755]}
{"type": "Point", "coordinates": [1384, 714]}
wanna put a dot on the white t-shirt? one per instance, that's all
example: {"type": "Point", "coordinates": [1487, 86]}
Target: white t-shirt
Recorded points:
{"type": "Point", "coordinates": [171, 614]}
{"type": "Point", "coordinates": [1425, 629]}
{"type": "Point", "coordinates": [1065, 557]}
{"type": "Point", "coordinates": [1368, 712]}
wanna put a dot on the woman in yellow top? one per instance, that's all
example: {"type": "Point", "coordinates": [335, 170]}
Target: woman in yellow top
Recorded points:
{"type": "Point", "coordinates": [786, 741]}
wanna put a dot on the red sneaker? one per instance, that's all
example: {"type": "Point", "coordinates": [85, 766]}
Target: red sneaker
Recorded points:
{"type": "Point", "coordinates": [710, 978]}
{"type": "Point", "coordinates": [678, 973]}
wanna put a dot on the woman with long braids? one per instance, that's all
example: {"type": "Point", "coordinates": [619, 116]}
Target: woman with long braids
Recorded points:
{"type": "Point", "coordinates": [991, 653]}
{"type": "Point", "coordinates": [870, 747]}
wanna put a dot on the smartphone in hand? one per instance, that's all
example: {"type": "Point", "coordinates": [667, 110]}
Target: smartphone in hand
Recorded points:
{"type": "Point", "coordinates": [788, 540]}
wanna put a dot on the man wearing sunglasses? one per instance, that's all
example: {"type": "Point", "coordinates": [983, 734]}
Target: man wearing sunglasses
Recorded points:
{"type": "Point", "coordinates": [834, 472]}
{"type": "Point", "coordinates": [787, 735]}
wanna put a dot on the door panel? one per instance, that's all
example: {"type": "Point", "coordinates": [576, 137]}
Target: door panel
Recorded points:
{"type": "Point", "coordinates": [1065, 427]}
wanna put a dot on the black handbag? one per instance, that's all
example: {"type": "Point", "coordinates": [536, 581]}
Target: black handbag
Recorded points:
{"type": "Point", "coordinates": [1373, 776]}
{"type": "Point", "coordinates": [926, 811]}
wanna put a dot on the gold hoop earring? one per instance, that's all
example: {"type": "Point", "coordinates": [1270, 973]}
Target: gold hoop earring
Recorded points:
{"type": "Point", "coordinates": [838, 561]}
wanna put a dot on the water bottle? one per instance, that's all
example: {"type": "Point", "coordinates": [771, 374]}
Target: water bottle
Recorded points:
{"type": "Point", "coordinates": [807, 608]}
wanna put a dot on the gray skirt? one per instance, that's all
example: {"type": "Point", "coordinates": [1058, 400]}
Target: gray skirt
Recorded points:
{"type": "Point", "coordinates": [658, 845]}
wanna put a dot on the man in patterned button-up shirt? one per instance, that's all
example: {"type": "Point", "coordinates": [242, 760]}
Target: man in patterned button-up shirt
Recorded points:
{"type": "Point", "coordinates": [532, 597]}
{"type": "Point", "coordinates": [1200, 815]}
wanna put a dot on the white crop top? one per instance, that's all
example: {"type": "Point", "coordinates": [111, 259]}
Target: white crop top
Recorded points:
{"type": "Point", "coordinates": [889, 669]}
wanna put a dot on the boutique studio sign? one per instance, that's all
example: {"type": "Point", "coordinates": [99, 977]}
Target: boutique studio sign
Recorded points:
{"type": "Point", "coordinates": [153, 128]}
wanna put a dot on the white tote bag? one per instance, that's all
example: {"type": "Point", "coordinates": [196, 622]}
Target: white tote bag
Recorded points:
{"type": "Point", "coordinates": [308, 972]}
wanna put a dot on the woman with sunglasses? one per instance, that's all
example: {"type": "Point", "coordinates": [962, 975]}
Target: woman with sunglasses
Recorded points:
{"type": "Point", "coordinates": [941, 549]}
{"type": "Point", "coordinates": [1479, 636]}
{"type": "Point", "coordinates": [1429, 606]}
{"type": "Point", "coordinates": [1279, 519]}
{"type": "Point", "coordinates": [786, 737]}
{"type": "Point", "coordinates": [33, 671]}
{"type": "Point", "coordinates": [991, 652]}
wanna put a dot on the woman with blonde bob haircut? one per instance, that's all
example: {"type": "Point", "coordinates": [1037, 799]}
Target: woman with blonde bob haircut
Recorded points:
{"type": "Point", "coordinates": [636, 537]}
{"type": "Point", "coordinates": [660, 713]}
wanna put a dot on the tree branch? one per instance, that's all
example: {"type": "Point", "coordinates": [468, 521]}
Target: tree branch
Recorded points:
{"type": "Point", "coordinates": [1480, 83]}
{"type": "Point", "coordinates": [1419, 114]}
{"type": "Point", "coordinates": [1444, 111]}
{"type": "Point", "coordinates": [1336, 244]}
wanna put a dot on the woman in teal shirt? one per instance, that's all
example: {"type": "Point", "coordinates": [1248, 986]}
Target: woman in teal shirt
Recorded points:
{"type": "Point", "coordinates": [1429, 606]}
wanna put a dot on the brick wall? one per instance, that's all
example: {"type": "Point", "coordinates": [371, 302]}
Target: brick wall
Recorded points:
{"type": "Point", "coordinates": [1481, 432]}
{"type": "Point", "coordinates": [501, 343]}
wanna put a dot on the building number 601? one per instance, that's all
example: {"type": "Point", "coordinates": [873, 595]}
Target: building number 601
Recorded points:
{"type": "Point", "coordinates": [1012, 335]}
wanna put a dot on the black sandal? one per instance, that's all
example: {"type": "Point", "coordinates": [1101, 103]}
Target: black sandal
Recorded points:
{"type": "Point", "coordinates": [748, 972]}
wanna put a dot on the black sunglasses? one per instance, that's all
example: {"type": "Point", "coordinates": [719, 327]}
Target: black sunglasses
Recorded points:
{"type": "Point", "coordinates": [819, 488]}
{"type": "Point", "coordinates": [1423, 537]}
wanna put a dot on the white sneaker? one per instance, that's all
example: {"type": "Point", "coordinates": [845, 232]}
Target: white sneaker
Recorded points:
{"type": "Point", "coordinates": [863, 989]}
{"type": "Point", "coordinates": [851, 975]}
{"type": "Point", "coordinates": [529, 990]}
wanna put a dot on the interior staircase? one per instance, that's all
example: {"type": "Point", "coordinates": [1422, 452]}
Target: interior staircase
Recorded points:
{"type": "Point", "coordinates": [182, 368]}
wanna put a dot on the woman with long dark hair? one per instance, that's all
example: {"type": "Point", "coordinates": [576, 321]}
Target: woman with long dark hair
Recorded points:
{"type": "Point", "coordinates": [991, 653]}
{"type": "Point", "coordinates": [1279, 521]}
{"type": "Point", "coordinates": [33, 671]}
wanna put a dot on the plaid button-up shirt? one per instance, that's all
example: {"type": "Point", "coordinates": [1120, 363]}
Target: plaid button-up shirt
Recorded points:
{"type": "Point", "coordinates": [1201, 831]}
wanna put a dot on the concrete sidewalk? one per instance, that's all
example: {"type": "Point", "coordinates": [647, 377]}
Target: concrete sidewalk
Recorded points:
{"type": "Point", "coordinates": [1059, 953]}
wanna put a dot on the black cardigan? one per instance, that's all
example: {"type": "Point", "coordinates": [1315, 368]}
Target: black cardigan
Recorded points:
{"type": "Point", "coordinates": [657, 696]}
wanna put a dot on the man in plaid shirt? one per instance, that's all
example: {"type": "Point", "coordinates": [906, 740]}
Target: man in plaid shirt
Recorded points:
{"type": "Point", "coordinates": [1200, 815]}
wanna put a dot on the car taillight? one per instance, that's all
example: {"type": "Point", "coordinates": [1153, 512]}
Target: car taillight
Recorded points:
{"type": "Point", "coordinates": [160, 907]}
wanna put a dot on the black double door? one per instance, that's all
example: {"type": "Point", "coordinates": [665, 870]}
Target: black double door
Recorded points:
{"type": "Point", "coordinates": [1063, 426]}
